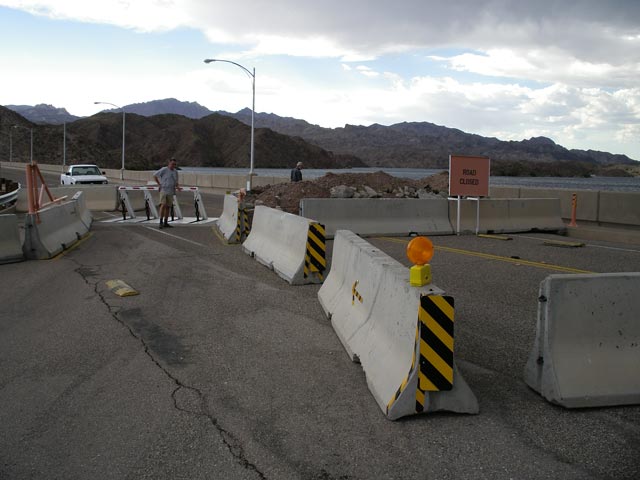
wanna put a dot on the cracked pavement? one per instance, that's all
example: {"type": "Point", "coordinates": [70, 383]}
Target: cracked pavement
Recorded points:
{"type": "Point", "coordinates": [219, 369]}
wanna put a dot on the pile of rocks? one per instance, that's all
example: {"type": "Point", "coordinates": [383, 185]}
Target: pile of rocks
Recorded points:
{"type": "Point", "coordinates": [287, 196]}
{"type": "Point", "coordinates": [364, 191]}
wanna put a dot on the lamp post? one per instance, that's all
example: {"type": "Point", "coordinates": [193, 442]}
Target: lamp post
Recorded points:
{"type": "Point", "coordinates": [31, 134]}
{"type": "Point", "coordinates": [64, 145]}
{"type": "Point", "coordinates": [10, 146]}
{"type": "Point", "coordinates": [253, 108]}
{"type": "Point", "coordinates": [123, 123]}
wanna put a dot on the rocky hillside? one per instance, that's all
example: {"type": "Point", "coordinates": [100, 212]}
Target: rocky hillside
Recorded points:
{"type": "Point", "coordinates": [168, 105]}
{"type": "Point", "coordinates": [407, 144]}
{"type": "Point", "coordinates": [43, 113]}
{"type": "Point", "coordinates": [212, 141]}
{"type": "Point", "coordinates": [425, 145]}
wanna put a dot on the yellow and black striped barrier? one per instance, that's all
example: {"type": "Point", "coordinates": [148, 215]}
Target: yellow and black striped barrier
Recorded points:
{"type": "Point", "coordinates": [238, 232]}
{"type": "Point", "coordinates": [243, 224]}
{"type": "Point", "coordinates": [246, 223]}
{"type": "Point", "coordinates": [355, 294]}
{"type": "Point", "coordinates": [435, 373]}
{"type": "Point", "coordinates": [315, 262]}
{"type": "Point", "coordinates": [434, 348]}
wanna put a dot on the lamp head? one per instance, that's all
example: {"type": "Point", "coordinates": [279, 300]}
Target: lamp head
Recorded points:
{"type": "Point", "coordinates": [209, 60]}
{"type": "Point", "coordinates": [420, 250]}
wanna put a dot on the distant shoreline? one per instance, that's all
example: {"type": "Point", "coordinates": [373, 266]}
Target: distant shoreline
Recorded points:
{"type": "Point", "coordinates": [622, 184]}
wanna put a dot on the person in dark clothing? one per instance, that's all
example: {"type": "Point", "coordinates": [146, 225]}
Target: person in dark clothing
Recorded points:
{"type": "Point", "coordinates": [296, 173]}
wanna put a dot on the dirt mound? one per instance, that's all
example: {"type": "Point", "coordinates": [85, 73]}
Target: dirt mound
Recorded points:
{"type": "Point", "coordinates": [287, 196]}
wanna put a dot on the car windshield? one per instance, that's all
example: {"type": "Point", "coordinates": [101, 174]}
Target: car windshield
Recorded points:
{"type": "Point", "coordinates": [86, 171]}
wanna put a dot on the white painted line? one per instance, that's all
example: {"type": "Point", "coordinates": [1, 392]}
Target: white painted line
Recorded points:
{"type": "Point", "coordinates": [111, 214]}
{"type": "Point", "coordinates": [157, 230]}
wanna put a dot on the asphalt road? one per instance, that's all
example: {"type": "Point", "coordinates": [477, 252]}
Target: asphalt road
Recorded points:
{"type": "Point", "coordinates": [220, 369]}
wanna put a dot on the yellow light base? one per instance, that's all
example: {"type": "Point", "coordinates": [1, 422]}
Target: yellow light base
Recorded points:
{"type": "Point", "coordinates": [420, 275]}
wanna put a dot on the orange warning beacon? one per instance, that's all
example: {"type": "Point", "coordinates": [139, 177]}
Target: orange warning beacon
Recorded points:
{"type": "Point", "coordinates": [419, 252]}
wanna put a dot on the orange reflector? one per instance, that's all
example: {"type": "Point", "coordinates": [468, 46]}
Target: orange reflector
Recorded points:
{"type": "Point", "coordinates": [420, 250]}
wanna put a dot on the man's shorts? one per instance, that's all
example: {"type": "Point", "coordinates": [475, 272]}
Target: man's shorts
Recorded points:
{"type": "Point", "coordinates": [166, 199]}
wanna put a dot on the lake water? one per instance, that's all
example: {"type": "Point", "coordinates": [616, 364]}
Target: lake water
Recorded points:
{"type": "Point", "coordinates": [622, 184]}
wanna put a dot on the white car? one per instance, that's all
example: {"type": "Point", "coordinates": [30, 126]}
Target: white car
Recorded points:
{"type": "Point", "coordinates": [83, 175]}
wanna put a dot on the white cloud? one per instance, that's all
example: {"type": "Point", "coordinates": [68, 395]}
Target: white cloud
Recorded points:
{"type": "Point", "coordinates": [550, 65]}
{"type": "Point", "coordinates": [591, 30]}
{"type": "Point", "coordinates": [571, 67]}
{"type": "Point", "coordinates": [569, 115]}
{"type": "Point", "coordinates": [367, 71]}
{"type": "Point", "coordinates": [141, 15]}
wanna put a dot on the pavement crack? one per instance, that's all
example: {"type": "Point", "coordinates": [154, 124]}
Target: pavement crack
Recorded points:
{"type": "Point", "coordinates": [233, 444]}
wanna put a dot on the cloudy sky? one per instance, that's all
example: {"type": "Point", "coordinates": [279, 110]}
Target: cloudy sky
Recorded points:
{"type": "Point", "coordinates": [564, 69]}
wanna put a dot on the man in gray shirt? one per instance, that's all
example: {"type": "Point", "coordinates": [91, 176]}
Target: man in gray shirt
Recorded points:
{"type": "Point", "coordinates": [167, 179]}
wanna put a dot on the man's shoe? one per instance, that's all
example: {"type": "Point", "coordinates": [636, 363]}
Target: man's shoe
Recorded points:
{"type": "Point", "coordinates": [161, 226]}
{"type": "Point", "coordinates": [166, 225]}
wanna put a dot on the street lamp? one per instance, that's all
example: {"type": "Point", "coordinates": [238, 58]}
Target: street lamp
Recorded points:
{"type": "Point", "coordinates": [253, 107]}
{"type": "Point", "coordinates": [64, 145]}
{"type": "Point", "coordinates": [123, 122]}
{"type": "Point", "coordinates": [31, 130]}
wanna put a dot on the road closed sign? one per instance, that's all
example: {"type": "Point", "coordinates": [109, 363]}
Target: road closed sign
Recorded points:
{"type": "Point", "coordinates": [469, 176]}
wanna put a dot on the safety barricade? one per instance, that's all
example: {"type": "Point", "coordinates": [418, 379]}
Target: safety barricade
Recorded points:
{"type": "Point", "coordinates": [506, 215]}
{"type": "Point", "coordinates": [10, 244]}
{"type": "Point", "coordinates": [52, 230]}
{"type": "Point", "coordinates": [85, 214]}
{"type": "Point", "coordinates": [151, 212]}
{"type": "Point", "coordinates": [380, 216]}
{"type": "Point", "coordinates": [292, 246]}
{"type": "Point", "coordinates": [587, 347]}
{"type": "Point", "coordinates": [401, 335]}
{"type": "Point", "coordinates": [234, 225]}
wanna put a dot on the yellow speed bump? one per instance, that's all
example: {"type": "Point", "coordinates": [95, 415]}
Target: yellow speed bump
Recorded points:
{"type": "Point", "coordinates": [494, 237]}
{"type": "Point", "coordinates": [558, 243]}
{"type": "Point", "coordinates": [121, 289]}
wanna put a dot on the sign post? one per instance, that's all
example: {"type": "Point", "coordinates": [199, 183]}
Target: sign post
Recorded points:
{"type": "Point", "coordinates": [469, 178]}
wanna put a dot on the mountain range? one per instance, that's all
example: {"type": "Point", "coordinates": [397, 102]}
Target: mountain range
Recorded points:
{"type": "Point", "coordinates": [407, 144]}
{"type": "Point", "coordinates": [212, 141]}
{"type": "Point", "coordinates": [43, 113]}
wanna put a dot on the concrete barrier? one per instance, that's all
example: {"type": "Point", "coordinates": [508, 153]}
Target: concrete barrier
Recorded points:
{"type": "Point", "coordinates": [587, 347]}
{"type": "Point", "coordinates": [375, 313]}
{"type": "Point", "coordinates": [85, 215]}
{"type": "Point", "coordinates": [619, 207]}
{"type": "Point", "coordinates": [10, 244]}
{"type": "Point", "coordinates": [612, 210]}
{"type": "Point", "coordinates": [504, 192]}
{"type": "Point", "coordinates": [588, 201]}
{"type": "Point", "coordinates": [380, 216]}
{"type": "Point", "coordinates": [52, 230]}
{"type": "Point", "coordinates": [292, 246]}
{"type": "Point", "coordinates": [508, 215]}
{"type": "Point", "coordinates": [230, 224]}
{"type": "Point", "coordinates": [96, 197]}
